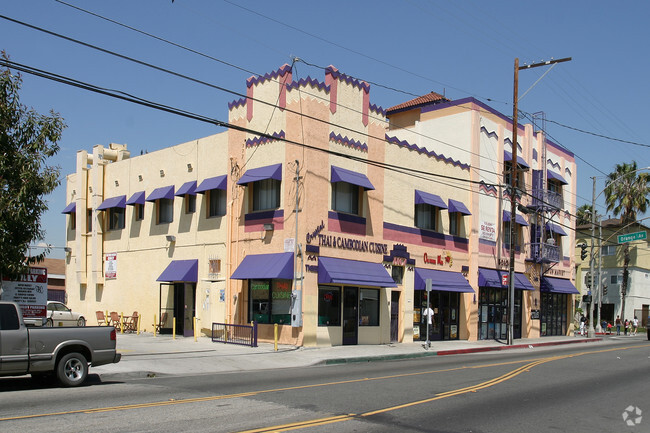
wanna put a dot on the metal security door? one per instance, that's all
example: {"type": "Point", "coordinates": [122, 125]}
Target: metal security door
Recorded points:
{"type": "Point", "coordinates": [350, 315]}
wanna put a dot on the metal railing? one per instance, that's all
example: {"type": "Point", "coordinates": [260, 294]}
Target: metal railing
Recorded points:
{"type": "Point", "coordinates": [244, 335]}
{"type": "Point", "coordinates": [546, 253]}
{"type": "Point", "coordinates": [544, 198]}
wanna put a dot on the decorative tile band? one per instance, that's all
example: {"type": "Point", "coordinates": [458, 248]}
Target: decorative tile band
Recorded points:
{"type": "Point", "coordinates": [404, 143]}
{"type": "Point", "coordinates": [490, 134]}
{"type": "Point", "coordinates": [377, 109]}
{"type": "Point", "coordinates": [352, 81]}
{"type": "Point", "coordinates": [488, 189]}
{"type": "Point", "coordinates": [269, 76]}
{"type": "Point", "coordinates": [236, 103]}
{"type": "Point", "coordinates": [349, 142]}
{"type": "Point", "coordinates": [250, 142]}
{"type": "Point", "coordinates": [304, 82]}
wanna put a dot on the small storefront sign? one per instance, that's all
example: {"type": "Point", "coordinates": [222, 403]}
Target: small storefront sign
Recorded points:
{"type": "Point", "coordinates": [534, 314]}
{"type": "Point", "coordinates": [110, 266]}
{"type": "Point", "coordinates": [488, 231]}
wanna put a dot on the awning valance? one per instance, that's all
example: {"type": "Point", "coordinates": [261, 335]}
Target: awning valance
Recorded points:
{"type": "Point", "coordinates": [136, 198]}
{"type": "Point", "coordinates": [265, 266]}
{"type": "Point", "coordinates": [520, 219]}
{"type": "Point", "coordinates": [554, 228]}
{"type": "Point", "coordinates": [163, 192]}
{"type": "Point", "coordinates": [441, 280]}
{"type": "Point", "coordinates": [187, 188]}
{"type": "Point", "coordinates": [217, 182]}
{"type": "Point", "coordinates": [422, 197]}
{"type": "Point", "coordinates": [353, 272]}
{"type": "Point", "coordinates": [71, 208]}
{"type": "Point", "coordinates": [494, 278]}
{"type": "Point", "coordinates": [181, 270]}
{"type": "Point", "coordinates": [339, 174]}
{"type": "Point", "coordinates": [551, 175]}
{"type": "Point", "coordinates": [558, 285]}
{"type": "Point", "coordinates": [457, 206]}
{"type": "Point", "coordinates": [507, 156]}
{"type": "Point", "coordinates": [119, 201]}
{"type": "Point", "coordinates": [261, 173]}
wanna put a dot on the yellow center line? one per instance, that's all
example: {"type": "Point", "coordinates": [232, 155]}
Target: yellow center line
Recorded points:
{"type": "Point", "coordinates": [328, 420]}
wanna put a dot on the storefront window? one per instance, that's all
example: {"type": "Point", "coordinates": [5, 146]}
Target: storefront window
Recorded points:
{"type": "Point", "coordinates": [553, 317]}
{"type": "Point", "coordinates": [270, 301]}
{"type": "Point", "coordinates": [368, 307]}
{"type": "Point", "coordinates": [493, 313]}
{"type": "Point", "coordinates": [329, 306]}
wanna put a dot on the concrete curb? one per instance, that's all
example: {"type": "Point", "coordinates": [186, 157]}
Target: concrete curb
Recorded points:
{"type": "Point", "coordinates": [357, 359]}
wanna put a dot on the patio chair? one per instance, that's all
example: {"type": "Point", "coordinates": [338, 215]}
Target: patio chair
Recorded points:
{"type": "Point", "coordinates": [101, 318]}
{"type": "Point", "coordinates": [115, 319]}
{"type": "Point", "coordinates": [161, 323]}
{"type": "Point", "coordinates": [132, 323]}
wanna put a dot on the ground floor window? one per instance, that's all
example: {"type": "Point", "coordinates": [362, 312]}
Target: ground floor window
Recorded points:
{"type": "Point", "coordinates": [553, 317]}
{"type": "Point", "coordinates": [269, 301]}
{"type": "Point", "coordinates": [329, 306]}
{"type": "Point", "coordinates": [493, 313]}
{"type": "Point", "coordinates": [446, 315]}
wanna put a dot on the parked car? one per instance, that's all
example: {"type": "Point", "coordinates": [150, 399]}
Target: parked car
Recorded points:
{"type": "Point", "coordinates": [60, 315]}
{"type": "Point", "coordinates": [43, 352]}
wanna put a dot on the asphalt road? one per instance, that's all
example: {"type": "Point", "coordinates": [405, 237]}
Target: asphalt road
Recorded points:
{"type": "Point", "coordinates": [563, 388]}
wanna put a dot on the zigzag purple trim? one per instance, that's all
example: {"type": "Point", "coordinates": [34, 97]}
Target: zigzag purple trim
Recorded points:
{"type": "Point", "coordinates": [404, 143]}
{"type": "Point", "coordinates": [348, 142]}
{"type": "Point", "coordinates": [489, 189]}
{"type": "Point", "coordinates": [273, 75]}
{"type": "Point", "coordinates": [377, 109]}
{"type": "Point", "coordinates": [303, 82]}
{"type": "Point", "coordinates": [352, 81]}
{"type": "Point", "coordinates": [236, 103]}
{"type": "Point", "coordinates": [509, 140]}
{"type": "Point", "coordinates": [250, 142]}
{"type": "Point", "coordinates": [489, 133]}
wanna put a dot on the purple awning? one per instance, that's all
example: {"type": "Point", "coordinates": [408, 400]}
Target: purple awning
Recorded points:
{"type": "Point", "coordinates": [163, 192]}
{"type": "Point", "coordinates": [554, 228]}
{"type": "Point", "coordinates": [555, 176]}
{"type": "Point", "coordinates": [136, 198]}
{"type": "Point", "coordinates": [558, 285]}
{"type": "Point", "coordinates": [261, 173]}
{"type": "Point", "coordinates": [493, 278]}
{"type": "Point", "coordinates": [457, 206]}
{"type": "Point", "coordinates": [218, 182]}
{"type": "Point", "coordinates": [354, 272]}
{"type": "Point", "coordinates": [71, 208]}
{"type": "Point", "coordinates": [441, 280]}
{"type": "Point", "coordinates": [507, 156]}
{"type": "Point", "coordinates": [520, 219]}
{"type": "Point", "coordinates": [422, 197]}
{"type": "Point", "coordinates": [339, 174]}
{"type": "Point", "coordinates": [119, 201]}
{"type": "Point", "coordinates": [181, 270]}
{"type": "Point", "coordinates": [265, 266]}
{"type": "Point", "coordinates": [187, 188]}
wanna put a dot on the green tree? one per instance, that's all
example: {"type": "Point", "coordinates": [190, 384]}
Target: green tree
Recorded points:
{"type": "Point", "coordinates": [583, 215]}
{"type": "Point", "coordinates": [27, 140]}
{"type": "Point", "coordinates": [626, 192]}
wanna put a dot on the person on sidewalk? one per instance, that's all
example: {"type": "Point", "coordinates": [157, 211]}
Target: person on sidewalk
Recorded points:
{"type": "Point", "coordinates": [583, 321]}
{"type": "Point", "coordinates": [626, 326]}
{"type": "Point", "coordinates": [609, 328]}
{"type": "Point", "coordinates": [635, 325]}
{"type": "Point", "coordinates": [428, 313]}
{"type": "Point", "coordinates": [618, 325]}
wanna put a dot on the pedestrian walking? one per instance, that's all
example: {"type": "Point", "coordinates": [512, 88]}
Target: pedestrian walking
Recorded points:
{"type": "Point", "coordinates": [609, 328]}
{"type": "Point", "coordinates": [618, 325]}
{"type": "Point", "coordinates": [626, 326]}
{"type": "Point", "coordinates": [635, 325]}
{"type": "Point", "coordinates": [583, 321]}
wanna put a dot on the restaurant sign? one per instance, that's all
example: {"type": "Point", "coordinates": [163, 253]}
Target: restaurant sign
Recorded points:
{"type": "Point", "coordinates": [344, 243]}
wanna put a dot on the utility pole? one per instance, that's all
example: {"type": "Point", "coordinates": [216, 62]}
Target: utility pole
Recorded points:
{"type": "Point", "coordinates": [590, 330]}
{"type": "Point", "coordinates": [513, 190]}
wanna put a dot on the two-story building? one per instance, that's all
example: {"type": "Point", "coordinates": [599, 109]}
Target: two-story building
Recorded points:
{"type": "Point", "coordinates": [328, 215]}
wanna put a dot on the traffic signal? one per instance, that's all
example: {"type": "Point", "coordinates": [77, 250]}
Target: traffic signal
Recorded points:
{"type": "Point", "coordinates": [583, 251]}
{"type": "Point", "coordinates": [604, 290]}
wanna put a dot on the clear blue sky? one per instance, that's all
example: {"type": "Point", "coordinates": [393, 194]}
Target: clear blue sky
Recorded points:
{"type": "Point", "coordinates": [460, 48]}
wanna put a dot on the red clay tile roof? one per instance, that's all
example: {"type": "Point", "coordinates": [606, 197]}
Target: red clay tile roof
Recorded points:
{"type": "Point", "coordinates": [429, 98]}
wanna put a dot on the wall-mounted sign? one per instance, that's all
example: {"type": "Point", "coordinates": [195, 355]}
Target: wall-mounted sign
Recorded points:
{"type": "Point", "coordinates": [534, 314]}
{"type": "Point", "coordinates": [441, 259]}
{"type": "Point", "coordinates": [341, 242]}
{"type": "Point", "coordinates": [488, 231]}
{"type": "Point", "coordinates": [110, 266]}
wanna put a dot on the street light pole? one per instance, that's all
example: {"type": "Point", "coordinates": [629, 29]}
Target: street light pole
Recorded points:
{"type": "Point", "coordinates": [513, 193]}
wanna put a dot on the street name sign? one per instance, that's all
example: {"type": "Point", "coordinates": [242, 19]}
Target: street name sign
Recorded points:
{"type": "Point", "coordinates": [631, 237]}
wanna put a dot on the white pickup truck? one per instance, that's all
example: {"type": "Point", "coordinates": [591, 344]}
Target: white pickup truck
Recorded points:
{"type": "Point", "coordinates": [61, 351]}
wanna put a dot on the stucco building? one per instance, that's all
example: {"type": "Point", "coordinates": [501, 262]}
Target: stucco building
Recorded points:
{"type": "Point", "coordinates": [326, 214]}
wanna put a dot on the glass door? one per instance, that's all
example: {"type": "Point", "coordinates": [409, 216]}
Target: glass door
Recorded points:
{"type": "Point", "coordinates": [350, 315]}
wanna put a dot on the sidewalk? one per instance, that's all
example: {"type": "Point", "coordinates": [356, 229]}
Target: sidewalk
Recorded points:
{"type": "Point", "coordinates": [147, 356]}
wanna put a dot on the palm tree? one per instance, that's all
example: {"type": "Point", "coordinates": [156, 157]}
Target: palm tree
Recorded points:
{"type": "Point", "coordinates": [583, 215]}
{"type": "Point", "coordinates": [626, 192]}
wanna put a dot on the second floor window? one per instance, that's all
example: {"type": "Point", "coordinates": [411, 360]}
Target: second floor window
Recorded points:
{"type": "Point", "coordinates": [165, 210]}
{"type": "Point", "coordinates": [345, 198]}
{"type": "Point", "coordinates": [115, 218]}
{"type": "Point", "coordinates": [426, 216]}
{"type": "Point", "coordinates": [139, 212]}
{"type": "Point", "coordinates": [216, 202]}
{"type": "Point", "coordinates": [266, 194]}
{"type": "Point", "coordinates": [608, 250]}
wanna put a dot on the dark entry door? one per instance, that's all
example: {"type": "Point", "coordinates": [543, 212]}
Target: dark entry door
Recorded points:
{"type": "Point", "coordinates": [184, 309]}
{"type": "Point", "coordinates": [394, 316]}
{"type": "Point", "coordinates": [350, 315]}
